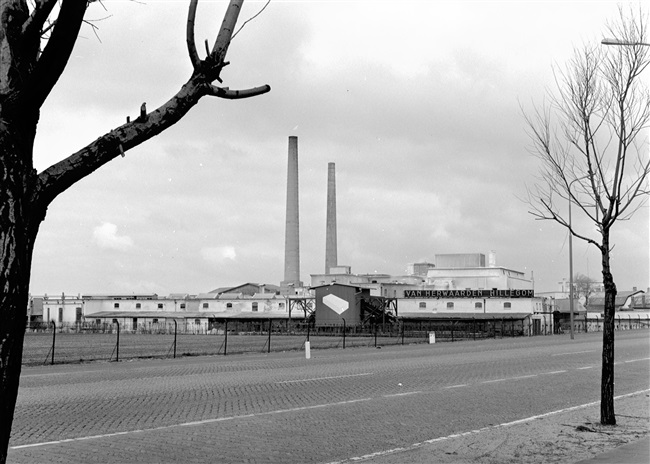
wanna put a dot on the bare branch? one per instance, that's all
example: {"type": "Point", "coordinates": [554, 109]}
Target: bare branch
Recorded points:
{"type": "Point", "coordinates": [544, 209]}
{"type": "Point", "coordinates": [225, 92]}
{"type": "Point", "coordinates": [58, 177]}
{"type": "Point", "coordinates": [191, 42]}
{"type": "Point", "coordinates": [250, 19]}
{"type": "Point", "coordinates": [55, 57]}
{"type": "Point", "coordinates": [35, 24]}
{"type": "Point", "coordinates": [586, 139]}
{"type": "Point", "coordinates": [218, 55]}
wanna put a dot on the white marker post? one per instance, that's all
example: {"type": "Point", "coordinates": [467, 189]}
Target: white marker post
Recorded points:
{"type": "Point", "coordinates": [307, 350]}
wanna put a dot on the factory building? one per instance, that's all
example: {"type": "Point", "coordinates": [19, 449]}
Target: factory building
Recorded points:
{"type": "Point", "coordinates": [148, 312]}
{"type": "Point", "coordinates": [451, 287]}
{"type": "Point", "coordinates": [455, 286]}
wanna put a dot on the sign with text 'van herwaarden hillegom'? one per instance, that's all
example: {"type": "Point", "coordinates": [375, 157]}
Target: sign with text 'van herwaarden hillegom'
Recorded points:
{"type": "Point", "coordinates": [482, 293]}
{"type": "Point", "coordinates": [336, 304]}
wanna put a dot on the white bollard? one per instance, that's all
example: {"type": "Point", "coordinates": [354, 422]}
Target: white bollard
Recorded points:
{"type": "Point", "coordinates": [307, 351]}
{"type": "Point", "coordinates": [432, 337]}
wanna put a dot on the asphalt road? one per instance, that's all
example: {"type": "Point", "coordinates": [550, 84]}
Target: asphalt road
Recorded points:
{"type": "Point", "coordinates": [284, 408]}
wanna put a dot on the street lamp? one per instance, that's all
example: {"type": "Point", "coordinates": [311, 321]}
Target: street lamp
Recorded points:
{"type": "Point", "coordinates": [622, 42]}
{"type": "Point", "coordinates": [571, 256]}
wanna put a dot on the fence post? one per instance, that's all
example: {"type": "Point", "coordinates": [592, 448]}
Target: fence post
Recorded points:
{"type": "Point", "coordinates": [402, 331]}
{"type": "Point", "coordinates": [308, 325]}
{"type": "Point", "coordinates": [269, 343]}
{"type": "Point", "coordinates": [375, 335]}
{"type": "Point", "coordinates": [53, 340]}
{"type": "Point", "coordinates": [175, 330]}
{"type": "Point", "coordinates": [117, 346]}
{"type": "Point", "coordinates": [343, 333]}
{"type": "Point", "coordinates": [225, 341]}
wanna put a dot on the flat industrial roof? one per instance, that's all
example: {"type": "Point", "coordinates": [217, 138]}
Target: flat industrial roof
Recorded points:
{"type": "Point", "coordinates": [451, 316]}
{"type": "Point", "coordinates": [193, 315]}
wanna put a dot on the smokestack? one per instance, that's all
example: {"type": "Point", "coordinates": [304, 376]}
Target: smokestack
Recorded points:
{"type": "Point", "coordinates": [292, 233]}
{"type": "Point", "coordinates": [330, 231]}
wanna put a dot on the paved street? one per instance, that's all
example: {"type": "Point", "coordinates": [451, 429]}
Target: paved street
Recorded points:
{"type": "Point", "coordinates": [281, 407]}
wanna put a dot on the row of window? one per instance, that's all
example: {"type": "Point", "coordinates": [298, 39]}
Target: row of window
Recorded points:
{"type": "Point", "coordinates": [255, 305]}
{"type": "Point", "coordinates": [139, 305]}
{"type": "Point", "coordinates": [477, 305]}
{"type": "Point", "coordinates": [135, 321]}
{"type": "Point", "coordinates": [205, 306]}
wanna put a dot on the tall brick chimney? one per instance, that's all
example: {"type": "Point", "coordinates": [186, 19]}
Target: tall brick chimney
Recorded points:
{"type": "Point", "coordinates": [292, 225]}
{"type": "Point", "coordinates": [330, 228]}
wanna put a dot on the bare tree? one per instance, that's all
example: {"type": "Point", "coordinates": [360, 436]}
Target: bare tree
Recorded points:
{"type": "Point", "coordinates": [589, 141]}
{"type": "Point", "coordinates": [36, 40]}
{"type": "Point", "coordinates": [584, 286]}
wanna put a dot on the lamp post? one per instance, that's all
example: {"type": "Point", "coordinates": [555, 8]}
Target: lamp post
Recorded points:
{"type": "Point", "coordinates": [571, 257]}
{"type": "Point", "coordinates": [622, 42]}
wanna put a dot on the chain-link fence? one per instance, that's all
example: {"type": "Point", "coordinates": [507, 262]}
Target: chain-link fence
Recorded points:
{"type": "Point", "coordinates": [83, 342]}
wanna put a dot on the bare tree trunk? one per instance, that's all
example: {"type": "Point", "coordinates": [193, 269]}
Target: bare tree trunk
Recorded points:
{"type": "Point", "coordinates": [589, 135]}
{"type": "Point", "coordinates": [12, 332]}
{"type": "Point", "coordinates": [607, 416]}
{"type": "Point", "coordinates": [19, 223]}
{"type": "Point", "coordinates": [27, 76]}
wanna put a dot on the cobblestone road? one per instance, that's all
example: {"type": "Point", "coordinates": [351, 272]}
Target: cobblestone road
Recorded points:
{"type": "Point", "coordinates": [283, 408]}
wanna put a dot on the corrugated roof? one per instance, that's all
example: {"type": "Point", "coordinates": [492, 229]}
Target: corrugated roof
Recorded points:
{"type": "Point", "coordinates": [261, 315]}
{"type": "Point", "coordinates": [271, 287]}
{"type": "Point", "coordinates": [337, 283]}
{"type": "Point", "coordinates": [597, 301]}
{"type": "Point", "coordinates": [220, 289]}
{"type": "Point", "coordinates": [266, 296]}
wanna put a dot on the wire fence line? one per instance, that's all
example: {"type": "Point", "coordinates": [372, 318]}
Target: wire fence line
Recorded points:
{"type": "Point", "coordinates": [75, 343]}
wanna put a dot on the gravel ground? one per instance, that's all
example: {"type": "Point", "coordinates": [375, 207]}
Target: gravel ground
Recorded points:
{"type": "Point", "coordinates": [564, 437]}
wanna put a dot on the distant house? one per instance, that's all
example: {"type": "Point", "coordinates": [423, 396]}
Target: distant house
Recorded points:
{"type": "Point", "coordinates": [248, 289]}
{"type": "Point", "coordinates": [642, 301]}
{"type": "Point", "coordinates": [625, 301]}
{"type": "Point", "coordinates": [563, 306]}
{"type": "Point", "coordinates": [63, 309]}
{"type": "Point", "coordinates": [151, 312]}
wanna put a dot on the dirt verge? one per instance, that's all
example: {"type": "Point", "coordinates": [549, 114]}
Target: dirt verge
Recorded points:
{"type": "Point", "coordinates": [564, 437]}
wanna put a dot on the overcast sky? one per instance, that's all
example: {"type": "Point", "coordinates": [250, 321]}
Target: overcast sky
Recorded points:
{"type": "Point", "coordinates": [417, 103]}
